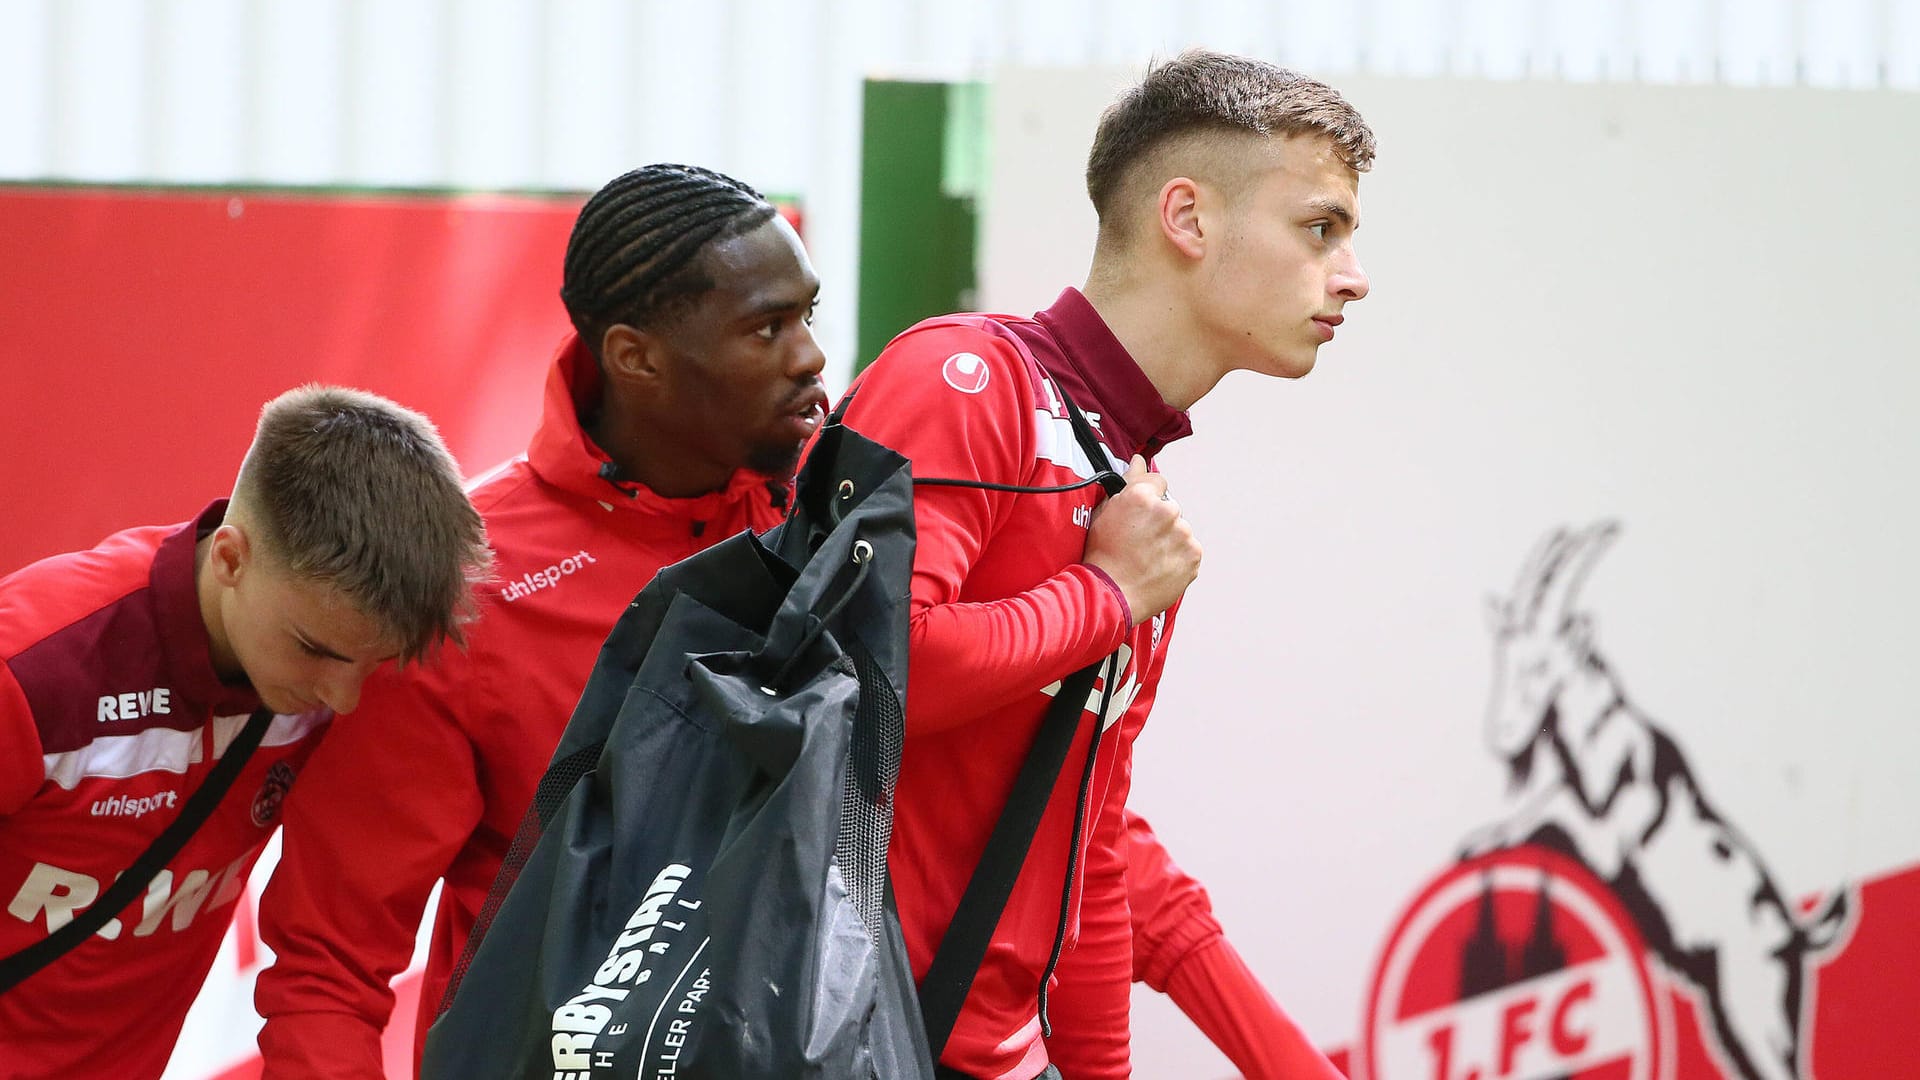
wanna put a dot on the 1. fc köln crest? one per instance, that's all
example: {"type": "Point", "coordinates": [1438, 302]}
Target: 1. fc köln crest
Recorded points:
{"type": "Point", "coordinates": [1610, 924]}
{"type": "Point", "coordinates": [1516, 964]}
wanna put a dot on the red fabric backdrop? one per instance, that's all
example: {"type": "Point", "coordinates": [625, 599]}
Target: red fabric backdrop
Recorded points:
{"type": "Point", "coordinates": [144, 329]}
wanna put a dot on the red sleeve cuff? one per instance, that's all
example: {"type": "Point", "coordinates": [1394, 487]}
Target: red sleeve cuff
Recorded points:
{"type": "Point", "coordinates": [321, 1046]}
{"type": "Point", "coordinates": [1126, 609]}
{"type": "Point", "coordinates": [1171, 947]}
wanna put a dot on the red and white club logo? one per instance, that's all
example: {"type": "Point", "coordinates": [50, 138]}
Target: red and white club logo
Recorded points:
{"type": "Point", "coordinates": [1518, 965]}
{"type": "Point", "coordinates": [965, 372]}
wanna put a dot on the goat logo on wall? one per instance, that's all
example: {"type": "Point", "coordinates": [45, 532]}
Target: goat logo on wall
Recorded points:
{"type": "Point", "coordinates": [1609, 869]}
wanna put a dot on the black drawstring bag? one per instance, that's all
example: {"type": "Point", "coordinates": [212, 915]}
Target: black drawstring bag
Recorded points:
{"type": "Point", "coordinates": [706, 893]}
{"type": "Point", "coordinates": [700, 890]}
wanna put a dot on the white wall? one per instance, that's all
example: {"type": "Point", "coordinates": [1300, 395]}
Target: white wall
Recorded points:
{"type": "Point", "coordinates": [568, 93]}
{"type": "Point", "coordinates": [1685, 308]}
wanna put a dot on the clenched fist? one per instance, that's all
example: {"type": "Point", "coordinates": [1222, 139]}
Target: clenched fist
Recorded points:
{"type": "Point", "coordinates": [1139, 538]}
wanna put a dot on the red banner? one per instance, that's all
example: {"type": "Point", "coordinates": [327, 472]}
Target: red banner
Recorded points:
{"type": "Point", "coordinates": [146, 328]}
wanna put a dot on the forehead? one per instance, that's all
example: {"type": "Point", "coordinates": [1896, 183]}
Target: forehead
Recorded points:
{"type": "Point", "coordinates": [323, 613]}
{"type": "Point", "coordinates": [1303, 170]}
{"type": "Point", "coordinates": [766, 266]}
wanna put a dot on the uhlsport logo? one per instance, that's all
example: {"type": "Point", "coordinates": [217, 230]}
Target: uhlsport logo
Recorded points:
{"type": "Point", "coordinates": [1593, 778]}
{"type": "Point", "coordinates": [965, 372]}
{"type": "Point", "coordinates": [547, 577]}
{"type": "Point", "coordinates": [1515, 965]}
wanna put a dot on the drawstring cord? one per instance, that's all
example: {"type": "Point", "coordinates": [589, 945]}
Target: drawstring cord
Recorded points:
{"type": "Point", "coordinates": [1073, 852]}
{"type": "Point", "coordinates": [863, 561]}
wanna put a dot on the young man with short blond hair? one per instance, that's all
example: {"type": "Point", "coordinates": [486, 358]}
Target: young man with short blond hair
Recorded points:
{"type": "Point", "coordinates": [127, 672]}
{"type": "Point", "coordinates": [1227, 192]}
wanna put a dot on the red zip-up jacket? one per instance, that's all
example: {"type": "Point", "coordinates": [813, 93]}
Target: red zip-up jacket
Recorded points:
{"type": "Point", "coordinates": [1002, 608]}
{"type": "Point", "coordinates": [111, 715]}
{"type": "Point", "coordinates": [430, 776]}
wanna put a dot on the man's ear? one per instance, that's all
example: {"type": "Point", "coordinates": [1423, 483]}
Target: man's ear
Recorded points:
{"type": "Point", "coordinates": [229, 553]}
{"type": "Point", "coordinates": [628, 352]}
{"type": "Point", "coordinates": [1179, 216]}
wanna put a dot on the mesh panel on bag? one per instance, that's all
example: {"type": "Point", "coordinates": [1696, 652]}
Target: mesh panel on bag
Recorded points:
{"type": "Point", "coordinates": [866, 804]}
{"type": "Point", "coordinates": [558, 780]}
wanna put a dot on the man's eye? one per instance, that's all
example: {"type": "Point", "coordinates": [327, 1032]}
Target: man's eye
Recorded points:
{"type": "Point", "coordinates": [770, 331]}
{"type": "Point", "coordinates": [1319, 230]}
{"type": "Point", "coordinates": [811, 308]}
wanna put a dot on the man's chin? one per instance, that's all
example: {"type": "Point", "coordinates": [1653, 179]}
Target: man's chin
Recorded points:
{"type": "Point", "coordinates": [1288, 367]}
{"type": "Point", "coordinates": [1282, 362]}
{"type": "Point", "coordinates": [285, 704]}
{"type": "Point", "coordinates": [1297, 365]}
{"type": "Point", "coordinates": [778, 461]}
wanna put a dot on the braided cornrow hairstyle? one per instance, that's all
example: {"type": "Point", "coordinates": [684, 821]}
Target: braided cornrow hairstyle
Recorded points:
{"type": "Point", "coordinates": [633, 255]}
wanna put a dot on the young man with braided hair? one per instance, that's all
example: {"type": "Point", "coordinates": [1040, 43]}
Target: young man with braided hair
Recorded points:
{"type": "Point", "coordinates": [675, 414]}
{"type": "Point", "coordinates": [129, 672]}
{"type": "Point", "coordinates": [1227, 196]}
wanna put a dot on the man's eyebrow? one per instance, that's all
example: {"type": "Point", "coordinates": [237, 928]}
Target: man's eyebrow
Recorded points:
{"type": "Point", "coordinates": [317, 646]}
{"type": "Point", "coordinates": [1334, 208]}
{"type": "Point", "coordinates": [332, 653]}
{"type": "Point", "coordinates": [762, 306]}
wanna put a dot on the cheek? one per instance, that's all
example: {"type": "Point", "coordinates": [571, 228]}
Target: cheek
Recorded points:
{"type": "Point", "coordinates": [759, 389]}
{"type": "Point", "coordinates": [1265, 285]}
{"type": "Point", "coordinates": [1229, 299]}
{"type": "Point", "coordinates": [737, 389]}
{"type": "Point", "coordinates": [272, 669]}
{"type": "Point", "coordinates": [247, 644]}
{"type": "Point", "coordinates": [1297, 276]}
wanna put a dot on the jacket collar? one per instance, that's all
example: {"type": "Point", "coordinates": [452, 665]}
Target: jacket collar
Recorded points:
{"type": "Point", "coordinates": [1133, 412]}
{"type": "Point", "coordinates": [565, 456]}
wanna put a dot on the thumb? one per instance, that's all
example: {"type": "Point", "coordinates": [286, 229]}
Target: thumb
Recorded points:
{"type": "Point", "coordinates": [1136, 469]}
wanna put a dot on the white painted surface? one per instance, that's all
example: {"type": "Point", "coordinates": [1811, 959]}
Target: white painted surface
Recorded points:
{"type": "Point", "coordinates": [1687, 308]}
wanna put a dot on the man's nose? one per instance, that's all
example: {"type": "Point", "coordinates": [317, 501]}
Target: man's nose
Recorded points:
{"type": "Point", "coordinates": [340, 689]}
{"type": "Point", "coordinates": [1350, 281]}
{"type": "Point", "coordinates": [808, 360]}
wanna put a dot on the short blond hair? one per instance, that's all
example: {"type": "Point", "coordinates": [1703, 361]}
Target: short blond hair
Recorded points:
{"type": "Point", "coordinates": [353, 491]}
{"type": "Point", "coordinates": [1202, 93]}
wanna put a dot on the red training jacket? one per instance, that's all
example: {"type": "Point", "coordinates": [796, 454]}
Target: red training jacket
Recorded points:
{"type": "Point", "coordinates": [111, 715]}
{"type": "Point", "coordinates": [1002, 609]}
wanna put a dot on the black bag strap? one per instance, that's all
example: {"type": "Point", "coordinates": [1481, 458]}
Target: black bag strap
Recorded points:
{"type": "Point", "coordinates": [944, 990]}
{"type": "Point", "coordinates": [22, 965]}
{"type": "Point", "coordinates": [1111, 482]}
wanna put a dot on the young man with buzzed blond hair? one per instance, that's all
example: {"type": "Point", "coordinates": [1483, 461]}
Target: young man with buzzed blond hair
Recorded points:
{"type": "Point", "coordinates": [1227, 193]}
{"type": "Point", "coordinates": [129, 671]}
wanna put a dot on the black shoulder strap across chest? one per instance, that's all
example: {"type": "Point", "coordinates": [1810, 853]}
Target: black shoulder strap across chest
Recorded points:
{"type": "Point", "coordinates": [1111, 482]}
{"type": "Point", "coordinates": [22, 965]}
